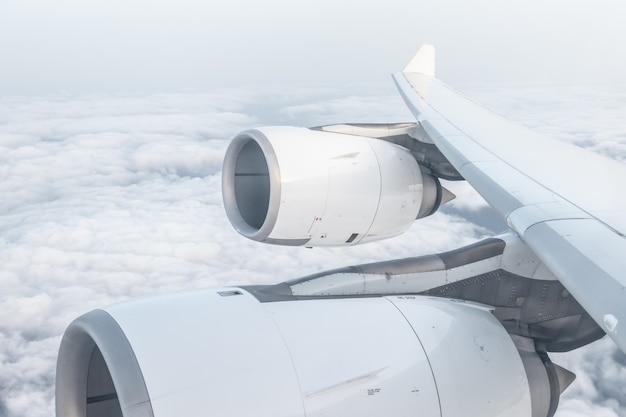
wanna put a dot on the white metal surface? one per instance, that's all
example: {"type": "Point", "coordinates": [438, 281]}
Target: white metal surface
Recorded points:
{"type": "Point", "coordinates": [356, 357]}
{"type": "Point", "coordinates": [319, 161]}
{"type": "Point", "coordinates": [203, 354]}
{"type": "Point", "coordinates": [476, 366]}
{"type": "Point", "coordinates": [401, 191]}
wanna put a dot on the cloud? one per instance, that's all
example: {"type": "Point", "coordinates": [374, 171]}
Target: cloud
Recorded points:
{"type": "Point", "coordinates": [108, 197]}
{"type": "Point", "coordinates": [356, 109]}
{"type": "Point", "coordinates": [600, 376]}
{"type": "Point", "coordinates": [585, 115]}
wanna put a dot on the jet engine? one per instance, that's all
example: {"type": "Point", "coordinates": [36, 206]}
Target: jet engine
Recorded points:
{"type": "Point", "coordinates": [302, 187]}
{"type": "Point", "coordinates": [243, 354]}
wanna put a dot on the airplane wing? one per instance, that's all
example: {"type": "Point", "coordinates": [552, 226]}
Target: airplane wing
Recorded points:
{"type": "Point", "coordinates": [563, 201]}
{"type": "Point", "coordinates": [465, 332]}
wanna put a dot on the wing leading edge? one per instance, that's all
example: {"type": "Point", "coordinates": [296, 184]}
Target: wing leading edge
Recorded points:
{"type": "Point", "coordinates": [560, 199]}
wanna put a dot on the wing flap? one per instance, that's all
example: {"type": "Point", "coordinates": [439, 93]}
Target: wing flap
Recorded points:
{"type": "Point", "coordinates": [581, 254]}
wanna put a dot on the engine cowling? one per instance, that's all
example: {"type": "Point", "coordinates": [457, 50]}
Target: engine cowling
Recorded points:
{"type": "Point", "coordinates": [302, 187]}
{"type": "Point", "coordinates": [241, 355]}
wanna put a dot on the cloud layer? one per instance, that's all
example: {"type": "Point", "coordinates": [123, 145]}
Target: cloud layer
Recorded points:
{"type": "Point", "coordinates": [104, 198]}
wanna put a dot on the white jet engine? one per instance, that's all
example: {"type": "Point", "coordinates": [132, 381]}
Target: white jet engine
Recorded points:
{"type": "Point", "coordinates": [231, 352]}
{"type": "Point", "coordinates": [303, 187]}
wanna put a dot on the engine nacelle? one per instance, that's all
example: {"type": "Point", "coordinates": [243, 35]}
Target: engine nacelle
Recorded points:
{"type": "Point", "coordinates": [301, 187]}
{"type": "Point", "coordinates": [227, 352]}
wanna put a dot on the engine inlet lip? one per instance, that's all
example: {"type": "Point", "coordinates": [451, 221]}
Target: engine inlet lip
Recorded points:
{"type": "Point", "coordinates": [228, 185]}
{"type": "Point", "coordinates": [98, 329]}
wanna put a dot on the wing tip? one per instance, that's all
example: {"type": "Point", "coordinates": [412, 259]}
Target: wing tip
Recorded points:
{"type": "Point", "coordinates": [423, 62]}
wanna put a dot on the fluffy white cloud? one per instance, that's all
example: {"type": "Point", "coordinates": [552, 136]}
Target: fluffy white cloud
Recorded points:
{"type": "Point", "coordinates": [104, 198]}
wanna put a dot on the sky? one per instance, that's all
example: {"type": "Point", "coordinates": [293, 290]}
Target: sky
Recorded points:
{"type": "Point", "coordinates": [166, 45]}
{"type": "Point", "coordinates": [114, 117]}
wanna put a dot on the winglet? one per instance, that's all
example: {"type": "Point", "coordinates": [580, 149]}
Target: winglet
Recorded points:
{"type": "Point", "coordinates": [423, 62]}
